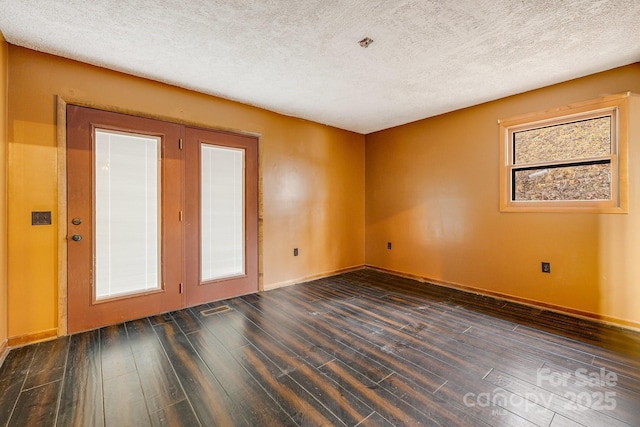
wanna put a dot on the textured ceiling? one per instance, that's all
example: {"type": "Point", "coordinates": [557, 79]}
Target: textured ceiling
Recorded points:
{"type": "Point", "coordinates": [302, 57]}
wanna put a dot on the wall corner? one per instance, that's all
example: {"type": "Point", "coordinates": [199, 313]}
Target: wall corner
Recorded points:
{"type": "Point", "coordinates": [4, 80]}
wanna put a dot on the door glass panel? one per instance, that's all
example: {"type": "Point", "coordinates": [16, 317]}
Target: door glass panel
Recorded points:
{"type": "Point", "coordinates": [222, 212]}
{"type": "Point", "coordinates": [127, 213]}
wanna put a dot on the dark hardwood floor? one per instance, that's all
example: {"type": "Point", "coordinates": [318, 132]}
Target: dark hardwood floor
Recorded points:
{"type": "Point", "coordinates": [362, 348]}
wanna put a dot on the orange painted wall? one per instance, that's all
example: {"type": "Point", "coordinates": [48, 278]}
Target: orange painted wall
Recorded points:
{"type": "Point", "coordinates": [432, 189]}
{"type": "Point", "coordinates": [312, 177]}
{"type": "Point", "coordinates": [3, 191]}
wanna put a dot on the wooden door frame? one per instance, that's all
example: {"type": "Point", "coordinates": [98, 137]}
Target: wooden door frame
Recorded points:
{"type": "Point", "coordinates": [62, 226]}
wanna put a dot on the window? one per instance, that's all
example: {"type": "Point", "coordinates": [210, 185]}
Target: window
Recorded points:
{"type": "Point", "coordinates": [569, 159]}
{"type": "Point", "coordinates": [127, 213]}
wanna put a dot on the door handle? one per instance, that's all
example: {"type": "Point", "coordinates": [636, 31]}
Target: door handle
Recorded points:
{"type": "Point", "coordinates": [76, 237]}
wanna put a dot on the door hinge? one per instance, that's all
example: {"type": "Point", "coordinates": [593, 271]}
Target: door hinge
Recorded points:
{"type": "Point", "coordinates": [181, 288]}
{"type": "Point", "coordinates": [180, 143]}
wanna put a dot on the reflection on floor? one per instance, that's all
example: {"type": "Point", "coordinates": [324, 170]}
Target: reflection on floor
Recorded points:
{"type": "Point", "coordinates": [361, 348]}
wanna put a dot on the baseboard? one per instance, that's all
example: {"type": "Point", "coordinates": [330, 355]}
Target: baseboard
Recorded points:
{"type": "Point", "coordinates": [21, 340]}
{"type": "Point", "coordinates": [609, 320]}
{"type": "Point", "coordinates": [4, 351]}
{"type": "Point", "coordinates": [312, 277]}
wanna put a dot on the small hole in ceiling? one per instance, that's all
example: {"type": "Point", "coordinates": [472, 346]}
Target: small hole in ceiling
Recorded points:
{"type": "Point", "coordinates": [365, 42]}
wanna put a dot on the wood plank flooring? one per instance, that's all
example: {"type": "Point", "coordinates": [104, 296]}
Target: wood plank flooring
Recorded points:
{"type": "Point", "coordinates": [363, 348]}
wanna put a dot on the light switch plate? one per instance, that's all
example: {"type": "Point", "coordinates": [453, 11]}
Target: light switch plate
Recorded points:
{"type": "Point", "coordinates": [41, 218]}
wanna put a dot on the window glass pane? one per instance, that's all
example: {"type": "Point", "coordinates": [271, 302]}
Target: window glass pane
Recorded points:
{"type": "Point", "coordinates": [577, 140]}
{"type": "Point", "coordinates": [584, 182]}
{"type": "Point", "coordinates": [127, 213]}
{"type": "Point", "coordinates": [222, 212]}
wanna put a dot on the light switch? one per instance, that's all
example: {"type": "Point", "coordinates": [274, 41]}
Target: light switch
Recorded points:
{"type": "Point", "coordinates": [41, 218]}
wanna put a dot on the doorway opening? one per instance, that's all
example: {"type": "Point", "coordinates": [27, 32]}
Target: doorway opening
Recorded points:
{"type": "Point", "coordinates": [159, 216]}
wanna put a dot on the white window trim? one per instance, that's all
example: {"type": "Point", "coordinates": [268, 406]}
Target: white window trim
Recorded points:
{"type": "Point", "coordinates": [618, 105]}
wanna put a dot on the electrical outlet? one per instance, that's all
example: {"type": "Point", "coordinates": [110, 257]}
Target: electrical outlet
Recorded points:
{"type": "Point", "coordinates": [388, 245]}
{"type": "Point", "coordinates": [295, 251]}
{"type": "Point", "coordinates": [546, 267]}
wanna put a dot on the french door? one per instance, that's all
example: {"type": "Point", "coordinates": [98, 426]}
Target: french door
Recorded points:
{"type": "Point", "coordinates": [221, 215]}
{"type": "Point", "coordinates": [160, 216]}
